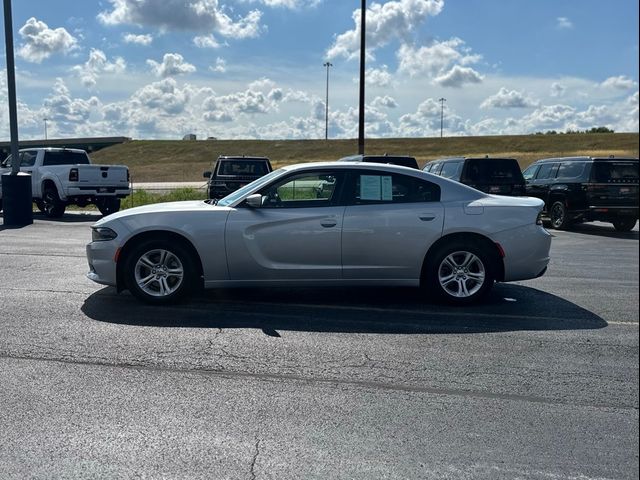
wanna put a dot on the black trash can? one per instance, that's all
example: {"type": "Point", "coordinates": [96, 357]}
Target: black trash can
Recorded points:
{"type": "Point", "coordinates": [17, 202]}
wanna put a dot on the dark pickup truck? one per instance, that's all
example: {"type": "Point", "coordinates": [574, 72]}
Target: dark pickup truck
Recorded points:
{"type": "Point", "coordinates": [230, 173]}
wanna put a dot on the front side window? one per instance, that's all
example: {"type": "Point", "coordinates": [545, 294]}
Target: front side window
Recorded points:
{"type": "Point", "coordinates": [303, 190]}
{"type": "Point", "coordinates": [547, 170]}
{"type": "Point", "coordinates": [530, 172]}
{"type": "Point", "coordinates": [378, 187]}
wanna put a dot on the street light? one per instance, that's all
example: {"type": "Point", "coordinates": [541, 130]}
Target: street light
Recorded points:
{"type": "Point", "coordinates": [326, 104]}
{"type": "Point", "coordinates": [363, 22]}
{"type": "Point", "coordinates": [45, 127]}
{"type": "Point", "coordinates": [441, 100]}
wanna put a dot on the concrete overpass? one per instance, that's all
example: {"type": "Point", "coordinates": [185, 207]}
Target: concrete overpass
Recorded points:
{"type": "Point", "coordinates": [90, 144]}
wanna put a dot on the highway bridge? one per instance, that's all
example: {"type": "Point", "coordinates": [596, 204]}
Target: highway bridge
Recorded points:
{"type": "Point", "coordinates": [90, 144]}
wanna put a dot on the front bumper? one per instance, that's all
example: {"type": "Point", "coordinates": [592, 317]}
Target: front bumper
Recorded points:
{"type": "Point", "coordinates": [102, 265]}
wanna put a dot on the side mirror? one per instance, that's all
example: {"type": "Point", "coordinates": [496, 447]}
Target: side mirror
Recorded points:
{"type": "Point", "coordinates": [207, 174]}
{"type": "Point", "coordinates": [254, 201]}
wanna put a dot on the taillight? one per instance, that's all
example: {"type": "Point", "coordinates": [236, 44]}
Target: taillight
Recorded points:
{"type": "Point", "coordinates": [73, 175]}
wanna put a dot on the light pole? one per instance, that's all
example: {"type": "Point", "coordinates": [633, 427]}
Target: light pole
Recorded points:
{"type": "Point", "coordinates": [45, 127]}
{"type": "Point", "coordinates": [441, 100]}
{"type": "Point", "coordinates": [363, 23]}
{"type": "Point", "coordinates": [326, 103]}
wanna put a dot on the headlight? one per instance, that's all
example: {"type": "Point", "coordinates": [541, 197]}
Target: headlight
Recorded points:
{"type": "Point", "coordinates": [102, 234]}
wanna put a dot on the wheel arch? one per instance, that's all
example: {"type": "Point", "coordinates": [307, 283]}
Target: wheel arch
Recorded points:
{"type": "Point", "coordinates": [471, 237]}
{"type": "Point", "coordinates": [166, 235]}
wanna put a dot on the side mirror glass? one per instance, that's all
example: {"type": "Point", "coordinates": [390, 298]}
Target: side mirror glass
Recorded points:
{"type": "Point", "coordinates": [254, 201]}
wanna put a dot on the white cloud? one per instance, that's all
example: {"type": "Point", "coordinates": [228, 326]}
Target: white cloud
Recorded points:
{"type": "Point", "coordinates": [548, 117]}
{"type": "Point", "coordinates": [220, 66]}
{"type": "Point", "coordinates": [509, 99]}
{"type": "Point", "coordinates": [458, 76]}
{"type": "Point", "coordinates": [379, 77]}
{"type": "Point", "coordinates": [172, 64]}
{"type": "Point", "coordinates": [165, 96]}
{"type": "Point", "coordinates": [96, 65]}
{"type": "Point", "coordinates": [385, 22]}
{"type": "Point", "coordinates": [557, 89]}
{"type": "Point", "coordinates": [435, 58]}
{"type": "Point", "coordinates": [563, 23]}
{"type": "Point", "coordinates": [292, 4]}
{"type": "Point", "coordinates": [138, 39]}
{"type": "Point", "coordinates": [187, 15]}
{"type": "Point", "coordinates": [40, 42]}
{"type": "Point", "coordinates": [384, 102]}
{"type": "Point", "coordinates": [206, 41]}
{"type": "Point", "coordinates": [620, 83]}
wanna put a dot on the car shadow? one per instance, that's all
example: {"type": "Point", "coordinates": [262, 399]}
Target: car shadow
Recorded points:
{"type": "Point", "coordinates": [348, 310]}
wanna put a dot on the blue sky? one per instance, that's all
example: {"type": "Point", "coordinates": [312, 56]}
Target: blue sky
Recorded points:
{"type": "Point", "coordinates": [159, 69]}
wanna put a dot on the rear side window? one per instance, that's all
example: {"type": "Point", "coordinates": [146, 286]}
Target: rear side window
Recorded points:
{"type": "Point", "coordinates": [434, 168]}
{"type": "Point", "coordinates": [615, 172]}
{"type": "Point", "coordinates": [243, 167]}
{"type": "Point", "coordinates": [65, 157]}
{"type": "Point", "coordinates": [451, 170]}
{"type": "Point", "coordinates": [571, 169]}
{"type": "Point", "coordinates": [492, 170]}
{"type": "Point", "coordinates": [547, 170]}
{"type": "Point", "coordinates": [377, 187]}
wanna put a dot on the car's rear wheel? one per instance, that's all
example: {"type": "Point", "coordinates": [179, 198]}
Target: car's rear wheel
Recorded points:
{"type": "Point", "coordinates": [558, 216]}
{"type": "Point", "coordinates": [160, 272]}
{"type": "Point", "coordinates": [461, 273]}
{"type": "Point", "coordinates": [53, 206]}
{"type": "Point", "coordinates": [108, 205]}
{"type": "Point", "coordinates": [624, 224]}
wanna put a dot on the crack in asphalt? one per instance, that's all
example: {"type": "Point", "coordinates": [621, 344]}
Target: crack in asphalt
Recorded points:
{"type": "Point", "coordinates": [328, 381]}
{"type": "Point", "coordinates": [255, 459]}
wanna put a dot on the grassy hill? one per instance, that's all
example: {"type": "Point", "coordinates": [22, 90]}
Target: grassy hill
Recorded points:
{"type": "Point", "coordinates": [183, 160]}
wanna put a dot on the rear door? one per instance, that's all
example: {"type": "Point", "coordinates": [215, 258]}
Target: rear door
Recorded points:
{"type": "Point", "coordinates": [389, 223]}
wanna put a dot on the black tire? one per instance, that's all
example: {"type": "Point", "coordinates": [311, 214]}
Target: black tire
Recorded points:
{"type": "Point", "coordinates": [624, 224]}
{"type": "Point", "coordinates": [53, 206]}
{"type": "Point", "coordinates": [160, 272]}
{"type": "Point", "coordinates": [460, 273]}
{"type": "Point", "coordinates": [0, 204]}
{"type": "Point", "coordinates": [108, 205]}
{"type": "Point", "coordinates": [559, 217]}
{"type": "Point", "coordinates": [40, 204]}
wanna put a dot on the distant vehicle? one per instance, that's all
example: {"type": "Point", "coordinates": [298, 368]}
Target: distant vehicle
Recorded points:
{"type": "Point", "coordinates": [402, 160]}
{"type": "Point", "coordinates": [329, 223]}
{"type": "Point", "coordinates": [498, 176]}
{"type": "Point", "coordinates": [584, 189]}
{"type": "Point", "coordinates": [65, 176]}
{"type": "Point", "coordinates": [231, 172]}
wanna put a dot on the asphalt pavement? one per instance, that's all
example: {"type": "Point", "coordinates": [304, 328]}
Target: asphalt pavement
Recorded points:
{"type": "Point", "coordinates": [539, 382]}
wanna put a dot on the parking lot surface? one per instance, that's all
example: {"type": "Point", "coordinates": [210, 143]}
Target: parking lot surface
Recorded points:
{"type": "Point", "coordinates": [540, 381]}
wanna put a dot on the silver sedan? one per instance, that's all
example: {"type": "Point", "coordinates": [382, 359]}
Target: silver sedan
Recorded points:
{"type": "Point", "coordinates": [325, 224]}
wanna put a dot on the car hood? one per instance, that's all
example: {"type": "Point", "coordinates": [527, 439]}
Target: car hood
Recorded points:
{"type": "Point", "coordinates": [159, 208]}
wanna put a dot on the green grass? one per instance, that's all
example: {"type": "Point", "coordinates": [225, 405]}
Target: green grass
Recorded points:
{"type": "Point", "coordinates": [182, 160]}
{"type": "Point", "coordinates": [144, 197]}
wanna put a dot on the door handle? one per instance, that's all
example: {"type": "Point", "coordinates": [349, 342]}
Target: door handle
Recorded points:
{"type": "Point", "coordinates": [328, 223]}
{"type": "Point", "coordinates": [427, 217]}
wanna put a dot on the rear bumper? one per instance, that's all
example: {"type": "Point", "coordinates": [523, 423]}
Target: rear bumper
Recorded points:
{"type": "Point", "coordinates": [93, 192]}
{"type": "Point", "coordinates": [526, 252]}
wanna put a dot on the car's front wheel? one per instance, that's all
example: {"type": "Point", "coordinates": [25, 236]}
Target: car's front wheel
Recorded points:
{"type": "Point", "coordinates": [160, 272]}
{"type": "Point", "coordinates": [461, 273]}
{"type": "Point", "coordinates": [624, 224]}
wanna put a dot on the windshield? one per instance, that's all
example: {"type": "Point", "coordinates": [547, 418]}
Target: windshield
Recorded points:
{"type": "Point", "coordinates": [615, 172]}
{"type": "Point", "coordinates": [241, 192]}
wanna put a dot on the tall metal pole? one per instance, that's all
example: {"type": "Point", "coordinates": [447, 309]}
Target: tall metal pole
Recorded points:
{"type": "Point", "coordinates": [16, 187]}
{"type": "Point", "coordinates": [363, 23]}
{"type": "Point", "coordinates": [441, 100]}
{"type": "Point", "coordinates": [326, 104]}
{"type": "Point", "coordinates": [11, 86]}
{"type": "Point", "coordinates": [45, 127]}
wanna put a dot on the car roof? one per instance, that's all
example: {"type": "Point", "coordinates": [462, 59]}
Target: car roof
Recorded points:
{"type": "Point", "coordinates": [585, 159]}
{"type": "Point", "coordinates": [240, 157]}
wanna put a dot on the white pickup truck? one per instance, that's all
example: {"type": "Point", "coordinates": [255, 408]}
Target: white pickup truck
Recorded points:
{"type": "Point", "coordinates": [65, 176]}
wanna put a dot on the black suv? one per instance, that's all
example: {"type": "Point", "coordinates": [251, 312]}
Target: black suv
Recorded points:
{"type": "Point", "coordinates": [401, 160]}
{"type": "Point", "coordinates": [230, 173]}
{"type": "Point", "coordinates": [498, 176]}
{"type": "Point", "coordinates": [584, 189]}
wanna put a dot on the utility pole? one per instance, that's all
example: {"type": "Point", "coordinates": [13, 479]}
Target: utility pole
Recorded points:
{"type": "Point", "coordinates": [45, 127]}
{"type": "Point", "coordinates": [16, 186]}
{"type": "Point", "coordinates": [326, 103]}
{"type": "Point", "coordinates": [441, 100]}
{"type": "Point", "coordinates": [363, 23]}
